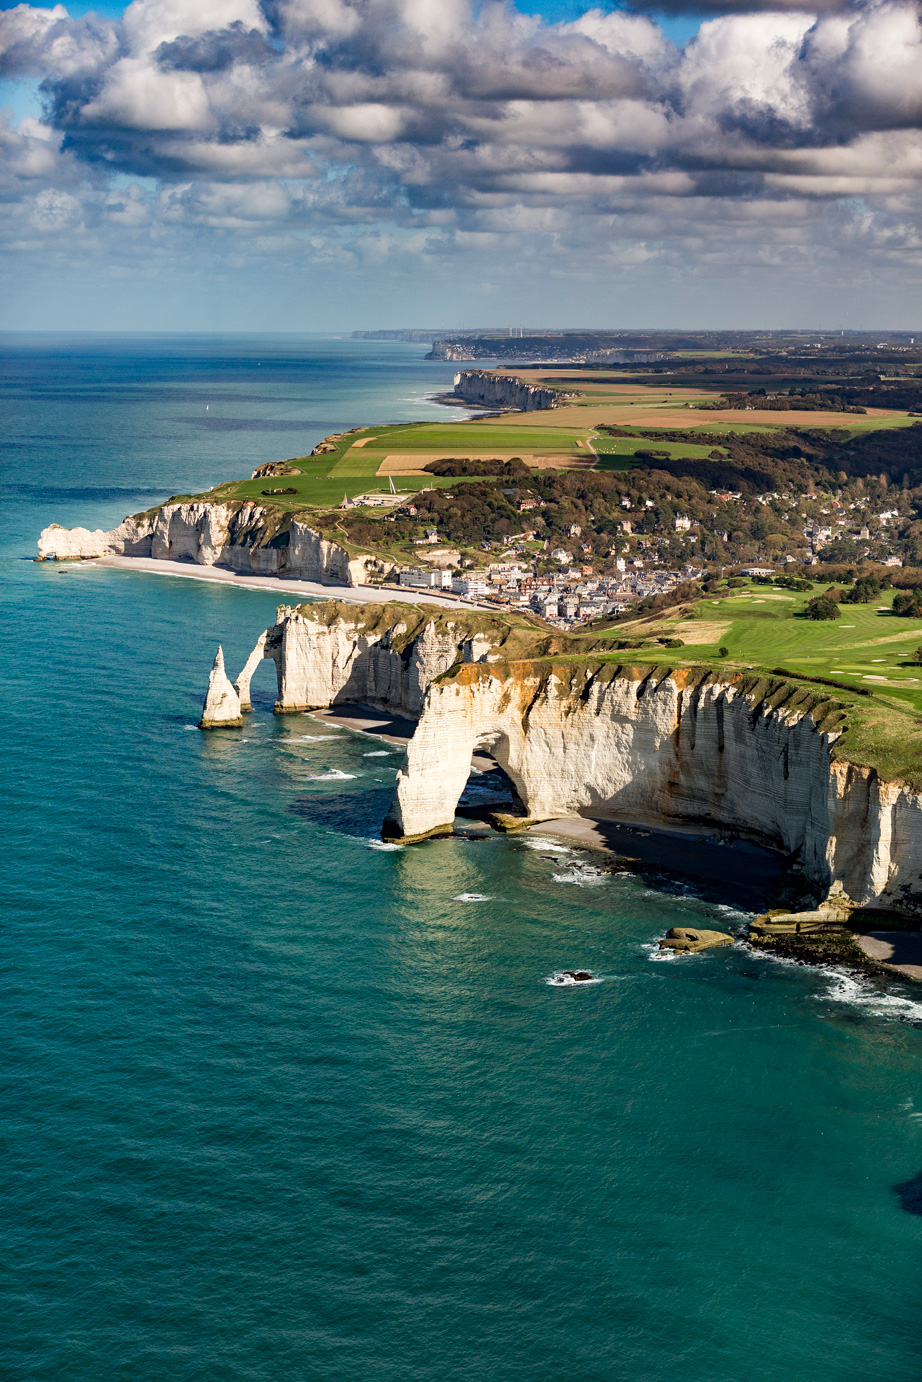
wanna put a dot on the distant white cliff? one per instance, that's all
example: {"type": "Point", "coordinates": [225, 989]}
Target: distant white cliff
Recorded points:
{"type": "Point", "coordinates": [506, 391]}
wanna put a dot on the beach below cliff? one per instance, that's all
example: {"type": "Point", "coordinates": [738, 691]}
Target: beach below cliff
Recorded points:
{"type": "Point", "coordinates": [299, 589]}
{"type": "Point", "coordinates": [746, 870]}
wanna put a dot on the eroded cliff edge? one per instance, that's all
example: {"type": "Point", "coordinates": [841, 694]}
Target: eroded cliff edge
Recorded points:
{"type": "Point", "coordinates": [755, 756]}
{"type": "Point", "coordinates": [239, 535]}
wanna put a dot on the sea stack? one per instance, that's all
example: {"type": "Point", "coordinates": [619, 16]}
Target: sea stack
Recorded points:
{"type": "Point", "coordinates": [222, 704]}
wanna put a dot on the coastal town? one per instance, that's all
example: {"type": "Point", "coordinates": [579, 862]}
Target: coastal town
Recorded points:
{"type": "Point", "coordinates": [570, 583]}
{"type": "Point", "coordinates": [566, 598]}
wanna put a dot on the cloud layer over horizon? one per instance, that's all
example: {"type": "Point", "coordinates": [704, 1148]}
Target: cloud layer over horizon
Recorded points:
{"type": "Point", "coordinates": [399, 136]}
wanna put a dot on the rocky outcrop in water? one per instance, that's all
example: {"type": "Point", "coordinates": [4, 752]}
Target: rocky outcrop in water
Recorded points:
{"type": "Point", "coordinates": [685, 939]}
{"type": "Point", "coordinates": [222, 704]}
{"type": "Point", "coordinates": [505, 391]}
{"type": "Point", "coordinates": [237, 534]}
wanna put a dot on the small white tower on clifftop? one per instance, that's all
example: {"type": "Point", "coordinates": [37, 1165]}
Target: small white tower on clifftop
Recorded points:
{"type": "Point", "coordinates": [222, 704]}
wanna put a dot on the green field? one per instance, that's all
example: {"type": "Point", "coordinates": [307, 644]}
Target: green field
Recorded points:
{"type": "Point", "coordinates": [316, 487]}
{"type": "Point", "coordinates": [322, 481]}
{"type": "Point", "coordinates": [617, 452]}
{"type": "Point", "coordinates": [463, 438]}
{"type": "Point", "coordinates": [349, 470]}
{"type": "Point", "coordinates": [860, 424]}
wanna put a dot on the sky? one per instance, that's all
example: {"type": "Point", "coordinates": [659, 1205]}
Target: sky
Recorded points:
{"type": "Point", "coordinates": [326, 165]}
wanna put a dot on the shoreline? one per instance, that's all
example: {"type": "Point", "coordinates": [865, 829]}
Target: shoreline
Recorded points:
{"type": "Point", "coordinates": [736, 864]}
{"type": "Point", "coordinates": [314, 590]}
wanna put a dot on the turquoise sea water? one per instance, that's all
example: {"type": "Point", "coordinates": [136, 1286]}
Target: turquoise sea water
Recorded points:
{"type": "Point", "coordinates": [275, 1104]}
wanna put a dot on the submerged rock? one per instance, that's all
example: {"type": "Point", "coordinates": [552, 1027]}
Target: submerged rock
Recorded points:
{"type": "Point", "coordinates": [686, 938]}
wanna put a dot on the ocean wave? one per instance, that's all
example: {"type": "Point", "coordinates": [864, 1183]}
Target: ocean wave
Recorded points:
{"type": "Point", "coordinates": [472, 897]}
{"type": "Point", "coordinates": [334, 775]}
{"type": "Point", "coordinates": [376, 753]}
{"type": "Point", "coordinates": [583, 876]}
{"type": "Point", "coordinates": [852, 989]}
{"type": "Point", "coordinates": [734, 913]}
{"type": "Point", "coordinates": [861, 993]}
{"type": "Point", "coordinates": [388, 845]}
{"type": "Point", "coordinates": [314, 738]}
{"type": "Point", "coordinates": [653, 952]}
{"type": "Point", "coordinates": [546, 846]}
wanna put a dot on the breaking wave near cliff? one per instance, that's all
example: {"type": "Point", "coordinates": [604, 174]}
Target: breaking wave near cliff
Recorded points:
{"type": "Point", "coordinates": [864, 994]}
{"type": "Point", "coordinates": [583, 876]}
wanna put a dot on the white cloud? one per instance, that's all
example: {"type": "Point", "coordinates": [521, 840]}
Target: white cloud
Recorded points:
{"type": "Point", "coordinates": [444, 131]}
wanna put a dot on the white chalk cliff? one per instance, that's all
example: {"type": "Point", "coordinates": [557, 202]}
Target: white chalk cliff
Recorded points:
{"type": "Point", "coordinates": [388, 654]}
{"type": "Point", "coordinates": [222, 703]}
{"type": "Point", "coordinates": [506, 391]}
{"type": "Point", "coordinates": [239, 535]}
{"type": "Point", "coordinates": [682, 747]}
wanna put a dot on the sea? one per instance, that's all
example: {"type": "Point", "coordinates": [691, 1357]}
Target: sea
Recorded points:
{"type": "Point", "coordinates": [280, 1103]}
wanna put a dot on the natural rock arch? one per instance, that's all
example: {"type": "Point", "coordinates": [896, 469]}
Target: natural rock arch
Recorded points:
{"type": "Point", "coordinates": [265, 650]}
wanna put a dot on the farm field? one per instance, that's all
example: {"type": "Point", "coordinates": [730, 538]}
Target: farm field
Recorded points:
{"type": "Point", "coordinates": [352, 468]}
{"type": "Point", "coordinates": [476, 437]}
{"type": "Point", "coordinates": [558, 438]}
{"type": "Point", "coordinates": [321, 483]}
{"type": "Point", "coordinates": [623, 403]}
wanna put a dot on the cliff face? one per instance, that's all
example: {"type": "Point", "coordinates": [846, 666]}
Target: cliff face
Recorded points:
{"type": "Point", "coordinates": [673, 747]}
{"type": "Point", "coordinates": [505, 391]}
{"type": "Point", "coordinates": [240, 535]}
{"type": "Point", "coordinates": [683, 750]}
{"type": "Point", "coordinates": [380, 654]}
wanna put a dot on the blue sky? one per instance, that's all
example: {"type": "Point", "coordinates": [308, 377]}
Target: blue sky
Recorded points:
{"type": "Point", "coordinates": [329, 164]}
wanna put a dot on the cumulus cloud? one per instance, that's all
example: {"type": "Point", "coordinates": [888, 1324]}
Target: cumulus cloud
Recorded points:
{"type": "Point", "coordinates": [369, 129]}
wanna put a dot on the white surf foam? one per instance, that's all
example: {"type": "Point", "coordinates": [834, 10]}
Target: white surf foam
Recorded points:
{"type": "Point", "coordinates": [313, 738]}
{"type": "Point", "coordinates": [582, 876]}
{"type": "Point", "coordinates": [334, 775]}
{"type": "Point", "coordinates": [376, 753]}
{"type": "Point", "coordinates": [860, 993]}
{"type": "Point", "coordinates": [388, 845]}
{"type": "Point", "coordinates": [560, 980]}
{"type": "Point", "coordinates": [472, 897]}
{"type": "Point", "coordinates": [653, 952]}
{"type": "Point", "coordinates": [852, 989]}
{"type": "Point", "coordinates": [544, 846]}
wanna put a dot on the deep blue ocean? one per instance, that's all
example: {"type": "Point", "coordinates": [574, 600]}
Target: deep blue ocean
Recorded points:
{"type": "Point", "coordinates": [275, 1104]}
